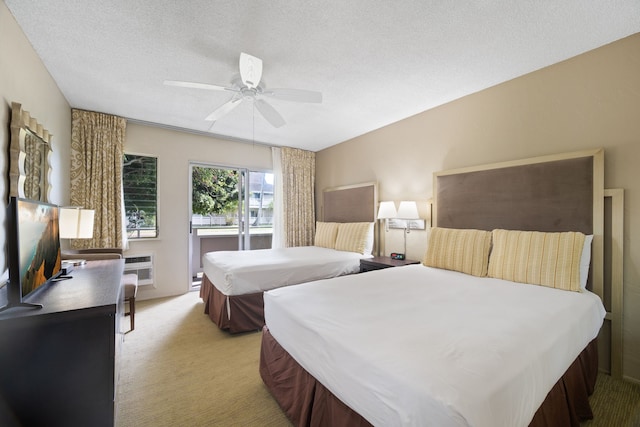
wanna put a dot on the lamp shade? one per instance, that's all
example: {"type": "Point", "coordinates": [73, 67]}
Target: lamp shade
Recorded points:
{"type": "Point", "coordinates": [76, 223]}
{"type": "Point", "coordinates": [408, 210]}
{"type": "Point", "coordinates": [387, 210]}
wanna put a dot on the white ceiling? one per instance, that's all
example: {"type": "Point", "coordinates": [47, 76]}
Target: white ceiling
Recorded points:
{"type": "Point", "coordinates": [376, 62]}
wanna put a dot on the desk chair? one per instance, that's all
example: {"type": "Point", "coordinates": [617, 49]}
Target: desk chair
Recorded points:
{"type": "Point", "coordinates": [130, 283]}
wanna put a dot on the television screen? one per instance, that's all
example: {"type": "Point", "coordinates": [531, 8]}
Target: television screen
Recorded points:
{"type": "Point", "coordinates": [38, 240]}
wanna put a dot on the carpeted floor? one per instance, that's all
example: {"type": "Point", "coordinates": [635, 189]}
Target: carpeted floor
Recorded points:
{"type": "Point", "coordinates": [178, 369]}
{"type": "Point", "coordinates": [614, 403]}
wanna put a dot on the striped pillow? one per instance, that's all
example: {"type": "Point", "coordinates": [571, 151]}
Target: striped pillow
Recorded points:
{"type": "Point", "coordinates": [326, 234]}
{"type": "Point", "coordinates": [547, 259]}
{"type": "Point", "coordinates": [466, 251]}
{"type": "Point", "coordinates": [353, 236]}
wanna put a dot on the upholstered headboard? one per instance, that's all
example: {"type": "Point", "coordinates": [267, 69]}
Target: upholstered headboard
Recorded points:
{"type": "Point", "coordinates": [563, 192]}
{"type": "Point", "coordinates": [548, 196]}
{"type": "Point", "coordinates": [350, 203]}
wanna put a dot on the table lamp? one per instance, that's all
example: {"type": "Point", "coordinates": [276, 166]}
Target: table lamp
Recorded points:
{"type": "Point", "coordinates": [76, 223]}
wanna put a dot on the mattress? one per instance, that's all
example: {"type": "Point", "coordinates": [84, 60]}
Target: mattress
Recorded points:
{"type": "Point", "coordinates": [245, 272]}
{"type": "Point", "coordinates": [418, 346]}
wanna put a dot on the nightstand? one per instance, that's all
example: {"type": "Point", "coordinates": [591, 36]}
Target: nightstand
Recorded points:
{"type": "Point", "coordinates": [380, 262]}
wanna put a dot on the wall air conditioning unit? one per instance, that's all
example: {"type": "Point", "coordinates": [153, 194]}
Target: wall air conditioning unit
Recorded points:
{"type": "Point", "coordinates": [142, 265]}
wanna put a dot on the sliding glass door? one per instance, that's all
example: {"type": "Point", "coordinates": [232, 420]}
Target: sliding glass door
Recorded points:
{"type": "Point", "coordinates": [231, 209]}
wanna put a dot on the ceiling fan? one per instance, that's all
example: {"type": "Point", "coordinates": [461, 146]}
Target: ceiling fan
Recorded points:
{"type": "Point", "coordinates": [248, 86]}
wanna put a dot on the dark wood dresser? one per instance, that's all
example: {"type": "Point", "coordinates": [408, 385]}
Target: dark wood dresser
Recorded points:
{"type": "Point", "coordinates": [58, 364]}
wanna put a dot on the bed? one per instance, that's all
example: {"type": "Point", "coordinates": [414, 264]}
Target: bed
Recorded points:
{"type": "Point", "coordinates": [461, 342]}
{"type": "Point", "coordinates": [234, 281]}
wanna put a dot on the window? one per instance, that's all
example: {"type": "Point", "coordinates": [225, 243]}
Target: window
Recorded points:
{"type": "Point", "coordinates": [139, 182]}
{"type": "Point", "coordinates": [229, 202]}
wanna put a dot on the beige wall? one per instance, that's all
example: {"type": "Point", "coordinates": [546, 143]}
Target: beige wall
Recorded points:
{"type": "Point", "coordinates": [175, 150]}
{"type": "Point", "coordinates": [589, 101]}
{"type": "Point", "coordinates": [24, 79]}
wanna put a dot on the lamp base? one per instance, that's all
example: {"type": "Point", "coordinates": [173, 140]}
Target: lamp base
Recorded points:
{"type": "Point", "coordinates": [67, 268]}
{"type": "Point", "coordinates": [75, 262]}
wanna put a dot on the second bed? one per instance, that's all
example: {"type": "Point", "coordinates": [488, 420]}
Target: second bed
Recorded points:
{"type": "Point", "coordinates": [234, 281]}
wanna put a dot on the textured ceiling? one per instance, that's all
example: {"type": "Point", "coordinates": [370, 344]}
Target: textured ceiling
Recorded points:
{"type": "Point", "coordinates": [375, 62]}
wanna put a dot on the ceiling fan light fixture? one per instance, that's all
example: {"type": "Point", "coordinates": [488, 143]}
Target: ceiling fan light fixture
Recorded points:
{"type": "Point", "coordinates": [250, 70]}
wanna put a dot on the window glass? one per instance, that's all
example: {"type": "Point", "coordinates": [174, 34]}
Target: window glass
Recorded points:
{"type": "Point", "coordinates": [139, 182]}
{"type": "Point", "coordinates": [219, 208]}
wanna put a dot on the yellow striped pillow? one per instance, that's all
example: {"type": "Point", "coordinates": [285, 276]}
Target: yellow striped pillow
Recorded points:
{"type": "Point", "coordinates": [352, 236]}
{"type": "Point", "coordinates": [466, 251]}
{"type": "Point", "coordinates": [547, 259]}
{"type": "Point", "coordinates": [326, 233]}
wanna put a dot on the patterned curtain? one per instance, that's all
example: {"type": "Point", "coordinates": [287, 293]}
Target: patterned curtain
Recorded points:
{"type": "Point", "coordinates": [298, 182]}
{"type": "Point", "coordinates": [97, 150]}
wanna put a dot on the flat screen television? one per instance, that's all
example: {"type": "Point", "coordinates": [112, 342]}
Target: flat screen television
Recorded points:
{"type": "Point", "coordinates": [34, 249]}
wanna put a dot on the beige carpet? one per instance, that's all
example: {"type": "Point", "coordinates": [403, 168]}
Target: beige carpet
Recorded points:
{"type": "Point", "coordinates": [614, 403]}
{"type": "Point", "coordinates": [178, 369]}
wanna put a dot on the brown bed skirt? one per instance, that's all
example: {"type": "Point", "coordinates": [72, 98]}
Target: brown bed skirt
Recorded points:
{"type": "Point", "coordinates": [247, 311]}
{"type": "Point", "coordinates": [308, 403]}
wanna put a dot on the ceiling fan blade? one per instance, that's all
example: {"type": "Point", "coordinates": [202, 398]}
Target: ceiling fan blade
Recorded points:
{"type": "Point", "coordinates": [295, 95]}
{"type": "Point", "coordinates": [250, 70]}
{"type": "Point", "coordinates": [224, 109]}
{"type": "Point", "coordinates": [196, 85]}
{"type": "Point", "coordinates": [269, 113]}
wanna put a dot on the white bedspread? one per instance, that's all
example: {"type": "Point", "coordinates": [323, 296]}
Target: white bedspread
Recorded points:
{"type": "Point", "coordinates": [418, 346]}
{"type": "Point", "coordinates": [245, 272]}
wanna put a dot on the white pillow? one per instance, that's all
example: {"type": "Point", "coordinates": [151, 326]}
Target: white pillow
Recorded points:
{"type": "Point", "coordinates": [368, 246]}
{"type": "Point", "coordinates": [585, 260]}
